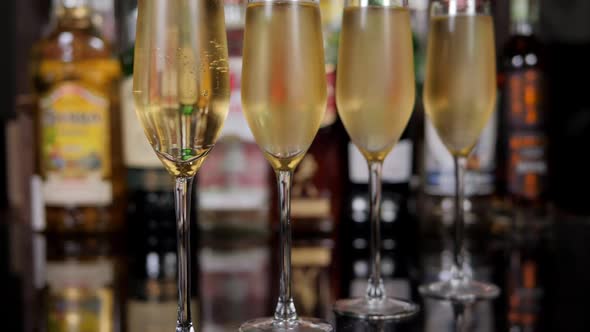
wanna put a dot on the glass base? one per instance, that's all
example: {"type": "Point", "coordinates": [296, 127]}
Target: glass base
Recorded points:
{"type": "Point", "coordinates": [300, 325]}
{"type": "Point", "coordinates": [189, 328]}
{"type": "Point", "coordinates": [384, 309]}
{"type": "Point", "coordinates": [460, 291]}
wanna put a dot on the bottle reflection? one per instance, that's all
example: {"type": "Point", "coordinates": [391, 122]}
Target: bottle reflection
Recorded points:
{"type": "Point", "coordinates": [80, 283]}
{"type": "Point", "coordinates": [312, 278]}
{"type": "Point", "coordinates": [234, 279]}
{"type": "Point", "coordinates": [525, 293]}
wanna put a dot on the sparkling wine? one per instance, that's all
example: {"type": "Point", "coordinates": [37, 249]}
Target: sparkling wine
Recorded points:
{"type": "Point", "coordinates": [460, 87]}
{"type": "Point", "coordinates": [375, 82]}
{"type": "Point", "coordinates": [283, 78]}
{"type": "Point", "coordinates": [181, 83]}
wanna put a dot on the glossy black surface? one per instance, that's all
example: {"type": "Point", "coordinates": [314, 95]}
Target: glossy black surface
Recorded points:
{"type": "Point", "coordinates": [233, 280]}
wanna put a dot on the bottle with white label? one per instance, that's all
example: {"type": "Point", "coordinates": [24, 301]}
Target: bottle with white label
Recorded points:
{"type": "Point", "coordinates": [78, 186]}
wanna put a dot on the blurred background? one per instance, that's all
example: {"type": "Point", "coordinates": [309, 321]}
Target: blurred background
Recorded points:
{"type": "Point", "coordinates": [95, 249]}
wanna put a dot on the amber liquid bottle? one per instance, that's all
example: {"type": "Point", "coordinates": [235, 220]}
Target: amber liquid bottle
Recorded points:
{"type": "Point", "coordinates": [523, 177]}
{"type": "Point", "coordinates": [78, 185]}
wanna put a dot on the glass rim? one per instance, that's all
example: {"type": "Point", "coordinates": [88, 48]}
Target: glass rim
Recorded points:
{"type": "Point", "coordinates": [279, 1]}
{"type": "Point", "coordinates": [382, 3]}
{"type": "Point", "coordinates": [460, 7]}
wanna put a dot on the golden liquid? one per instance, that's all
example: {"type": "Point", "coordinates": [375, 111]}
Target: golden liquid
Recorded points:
{"type": "Point", "coordinates": [460, 87]}
{"type": "Point", "coordinates": [181, 79]}
{"type": "Point", "coordinates": [375, 87]}
{"type": "Point", "coordinates": [283, 78]}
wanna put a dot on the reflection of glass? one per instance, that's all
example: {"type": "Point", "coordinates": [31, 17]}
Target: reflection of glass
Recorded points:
{"type": "Point", "coordinates": [459, 97]}
{"type": "Point", "coordinates": [284, 99]}
{"type": "Point", "coordinates": [375, 97]}
{"type": "Point", "coordinates": [181, 92]}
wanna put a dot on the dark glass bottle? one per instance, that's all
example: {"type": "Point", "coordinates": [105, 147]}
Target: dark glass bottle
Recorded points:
{"type": "Point", "coordinates": [523, 148]}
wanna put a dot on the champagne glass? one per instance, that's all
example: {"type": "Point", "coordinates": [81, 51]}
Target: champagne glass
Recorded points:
{"type": "Point", "coordinates": [181, 92]}
{"type": "Point", "coordinates": [375, 92]}
{"type": "Point", "coordinates": [284, 99]}
{"type": "Point", "coordinates": [459, 97]}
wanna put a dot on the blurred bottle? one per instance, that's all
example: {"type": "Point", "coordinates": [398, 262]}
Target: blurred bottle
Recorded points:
{"type": "Point", "coordinates": [523, 148]}
{"type": "Point", "coordinates": [234, 280]}
{"type": "Point", "coordinates": [105, 20]}
{"type": "Point", "coordinates": [78, 186]}
{"type": "Point", "coordinates": [233, 183]}
{"type": "Point", "coordinates": [81, 281]}
{"type": "Point", "coordinates": [102, 16]}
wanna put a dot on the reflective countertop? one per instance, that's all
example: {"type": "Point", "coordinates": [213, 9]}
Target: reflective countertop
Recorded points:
{"type": "Point", "coordinates": [126, 282]}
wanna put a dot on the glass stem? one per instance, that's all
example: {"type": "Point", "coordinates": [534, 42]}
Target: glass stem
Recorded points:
{"type": "Point", "coordinates": [458, 252]}
{"type": "Point", "coordinates": [285, 313]}
{"type": "Point", "coordinates": [375, 289]}
{"type": "Point", "coordinates": [459, 315]}
{"type": "Point", "coordinates": [182, 197]}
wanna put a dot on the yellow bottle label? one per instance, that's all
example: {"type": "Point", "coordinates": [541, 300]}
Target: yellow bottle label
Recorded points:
{"type": "Point", "coordinates": [75, 145]}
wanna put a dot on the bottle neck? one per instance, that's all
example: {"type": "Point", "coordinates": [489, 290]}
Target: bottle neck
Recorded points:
{"type": "Point", "coordinates": [74, 17]}
{"type": "Point", "coordinates": [523, 16]}
{"type": "Point", "coordinates": [521, 28]}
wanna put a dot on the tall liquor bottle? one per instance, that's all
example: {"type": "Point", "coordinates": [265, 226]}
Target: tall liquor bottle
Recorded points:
{"type": "Point", "coordinates": [233, 186]}
{"type": "Point", "coordinates": [78, 185]}
{"type": "Point", "coordinates": [524, 144]}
